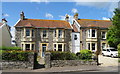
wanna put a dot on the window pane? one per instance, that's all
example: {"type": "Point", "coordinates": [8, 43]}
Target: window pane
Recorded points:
{"type": "Point", "coordinates": [93, 46]}
{"type": "Point", "coordinates": [32, 46]}
{"type": "Point", "coordinates": [32, 32]}
{"type": "Point", "coordinates": [54, 47]}
{"type": "Point", "coordinates": [59, 47]}
{"type": "Point", "coordinates": [60, 34]}
{"type": "Point", "coordinates": [88, 33]}
{"type": "Point", "coordinates": [103, 35]}
{"type": "Point", "coordinates": [27, 46]}
{"type": "Point", "coordinates": [93, 33]}
{"type": "Point", "coordinates": [27, 32]}
{"type": "Point", "coordinates": [55, 33]}
{"type": "Point", "coordinates": [75, 37]}
{"type": "Point", "coordinates": [44, 33]}
{"type": "Point", "coordinates": [88, 46]}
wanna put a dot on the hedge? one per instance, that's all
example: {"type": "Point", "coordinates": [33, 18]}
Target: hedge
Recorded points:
{"type": "Point", "coordinates": [84, 54]}
{"type": "Point", "coordinates": [57, 55]}
{"type": "Point", "coordinates": [14, 55]}
{"type": "Point", "coordinates": [9, 48]}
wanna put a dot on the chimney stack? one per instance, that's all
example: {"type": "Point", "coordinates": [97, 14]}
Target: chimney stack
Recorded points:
{"type": "Point", "coordinates": [67, 18]}
{"type": "Point", "coordinates": [4, 21]}
{"type": "Point", "coordinates": [76, 16]}
{"type": "Point", "coordinates": [22, 17]}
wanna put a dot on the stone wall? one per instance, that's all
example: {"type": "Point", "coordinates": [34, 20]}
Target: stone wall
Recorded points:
{"type": "Point", "coordinates": [61, 63]}
{"type": "Point", "coordinates": [7, 65]}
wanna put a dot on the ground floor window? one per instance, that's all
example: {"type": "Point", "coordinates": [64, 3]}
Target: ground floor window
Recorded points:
{"type": "Point", "coordinates": [88, 46]}
{"type": "Point", "coordinates": [103, 45]}
{"type": "Point", "coordinates": [54, 47]}
{"type": "Point", "coordinates": [27, 46]}
{"type": "Point", "coordinates": [33, 47]}
{"type": "Point", "coordinates": [93, 46]}
{"type": "Point", "coordinates": [59, 47]}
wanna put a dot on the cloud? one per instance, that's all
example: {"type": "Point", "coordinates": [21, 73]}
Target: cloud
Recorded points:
{"type": "Point", "coordinates": [5, 15]}
{"type": "Point", "coordinates": [62, 17]}
{"type": "Point", "coordinates": [48, 15]}
{"type": "Point", "coordinates": [74, 10]}
{"type": "Point", "coordinates": [105, 18]}
{"type": "Point", "coordinates": [13, 32]}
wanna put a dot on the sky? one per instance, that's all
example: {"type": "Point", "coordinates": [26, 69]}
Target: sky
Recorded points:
{"type": "Point", "coordinates": [56, 10]}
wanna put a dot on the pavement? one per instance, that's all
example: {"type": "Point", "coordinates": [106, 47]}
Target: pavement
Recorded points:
{"type": "Point", "coordinates": [108, 64]}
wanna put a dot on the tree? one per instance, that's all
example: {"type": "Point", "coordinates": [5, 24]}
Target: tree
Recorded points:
{"type": "Point", "coordinates": [113, 34]}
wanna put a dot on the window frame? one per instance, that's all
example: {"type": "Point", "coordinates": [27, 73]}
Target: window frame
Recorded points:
{"type": "Point", "coordinates": [27, 31]}
{"type": "Point", "coordinates": [43, 31]}
{"type": "Point", "coordinates": [103, 36]}
{"type": "Point", "coordinates": [60, 33]}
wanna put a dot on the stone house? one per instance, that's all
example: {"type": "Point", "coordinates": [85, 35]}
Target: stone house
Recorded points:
{"type": "Point", "coordinates": [5, 35]}
{"type": "Point", "coordinates": [43, 35]}
{"type": "Point", "coordinates": [92, 33]}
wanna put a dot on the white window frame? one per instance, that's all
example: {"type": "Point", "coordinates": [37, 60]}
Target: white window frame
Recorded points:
{"type": "Point", "coordinates": [60, 32]}
{"type": "Point", "coordinates": [90, 33]}
{"type": "Point", "coordinates": [33, 33]}
{"type": "Point", "coordinates": [102, 35]}
{"type": "Point", "coordinates": [26, 32]}
{"type": "Point", "coordinates": [46, 33]}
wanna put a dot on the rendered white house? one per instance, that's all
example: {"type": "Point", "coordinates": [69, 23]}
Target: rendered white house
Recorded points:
{"type": "Point", "coordinates": [5, 35]}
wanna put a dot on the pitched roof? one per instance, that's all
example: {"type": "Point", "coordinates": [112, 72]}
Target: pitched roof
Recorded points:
{"type": "Point", "coordinates": [74, 28]}
{"type": "Point", "coordinates": [94, 23]}
{"type": "Point", "coordinates": [42, 23]}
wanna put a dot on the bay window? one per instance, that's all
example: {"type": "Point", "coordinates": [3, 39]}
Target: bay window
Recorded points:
{"type": "Point", "coordinates": [92, 33]}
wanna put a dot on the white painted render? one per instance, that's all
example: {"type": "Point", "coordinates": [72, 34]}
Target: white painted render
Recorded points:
{"type": "Point", "coordinates": [75, 43]}
{"type": "Point", "coordinates": [5, 36]}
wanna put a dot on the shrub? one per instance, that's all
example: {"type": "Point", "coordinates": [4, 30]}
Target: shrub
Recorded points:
{"type": "Point", "coordinates": [57, 55]}
{"type": "Point", "coordinates": [15, 55]}
{"type": "Point", "coordinates": [9, 48]}
{"type": "Point", "coordinates": [119, 51]}
{"type": "Point", "coordinates": [85, 54]}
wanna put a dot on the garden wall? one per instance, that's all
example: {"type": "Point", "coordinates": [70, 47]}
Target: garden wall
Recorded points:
{"type": "Point", "coordinates": [61, 63]}
{"type": "Point", "coordinates": [5, 65]}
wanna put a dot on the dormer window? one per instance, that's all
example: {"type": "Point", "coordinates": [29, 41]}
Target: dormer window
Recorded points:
{"type": "Point", "coordinates": [75, 37]}
{"type": "Point", "coordinates": [27, 32]}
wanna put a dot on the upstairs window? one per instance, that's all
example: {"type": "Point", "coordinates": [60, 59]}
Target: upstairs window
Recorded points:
{"type": "Point", "coordinates": [32, 33]}
{"type": "Point", "coordinates": [44, 33]}
{"type": "Point", "coordinates": [93, 33]}
{"type": "Point", "coordinates": [54, 33]}
{"type": "Point", "coordinates": [75, 37]}
{"type": "Point", "coordinates": [103, 35]}
{"type": "Point", "coordinates": [59, 33]}
{"type": "Point", "coordinates": [27, 32]}
{"type": "Point", "coordinates": [89, 33]}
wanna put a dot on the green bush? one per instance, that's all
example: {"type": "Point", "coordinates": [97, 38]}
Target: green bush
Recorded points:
{"type": "Point", "coordinates": [85, 54]}
{"type": "Point", "coordinates": [57, 55]}
{"type": "Point", "coordinates": [14, 55]}
{"type": "Point", "coordinates": [119, 51]}
{"type": "Point", "coordinates": [9, 48]}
